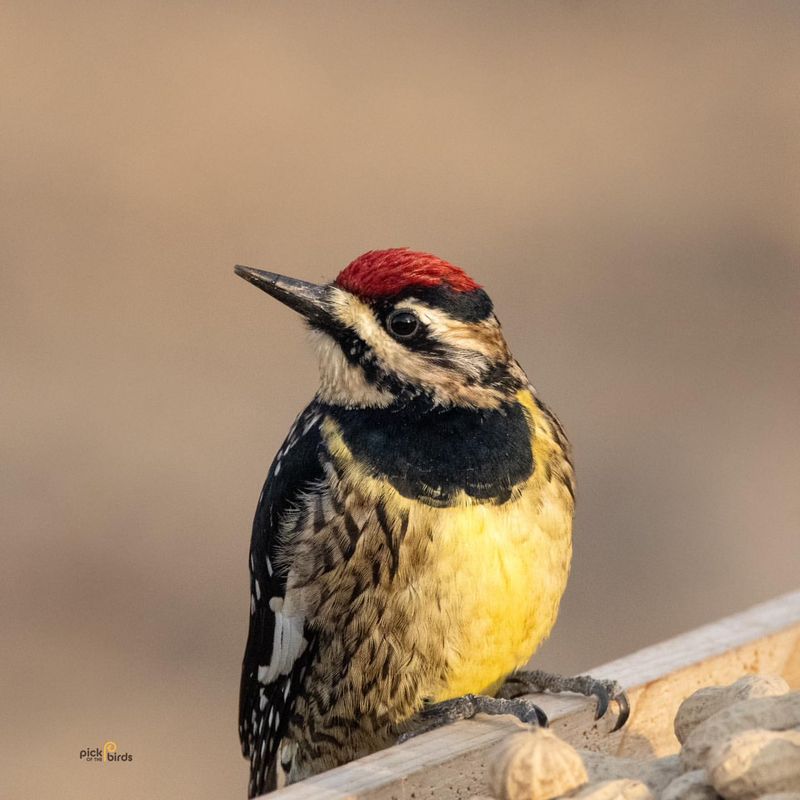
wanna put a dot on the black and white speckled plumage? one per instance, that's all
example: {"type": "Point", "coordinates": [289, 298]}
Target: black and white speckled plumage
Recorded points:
{"type": "Point", "coordinates": [265, 707]}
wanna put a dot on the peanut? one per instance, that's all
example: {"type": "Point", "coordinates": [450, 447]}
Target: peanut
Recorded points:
{"type": "Point", "coordinates": [756, 762]}
{"type": "Point", "coordinates": [704, 703]}
{"type": "Point", "coordinates": [536, 765]}
{"type": "Point", "coordinates": [770, 713]}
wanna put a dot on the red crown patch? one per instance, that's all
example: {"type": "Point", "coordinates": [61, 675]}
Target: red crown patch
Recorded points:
{"type": "Point", "coordinates": [383, 273]}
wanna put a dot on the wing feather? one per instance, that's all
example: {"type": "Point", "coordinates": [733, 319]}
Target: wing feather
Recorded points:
{"type": "Point", "coordinates": [278, 648]}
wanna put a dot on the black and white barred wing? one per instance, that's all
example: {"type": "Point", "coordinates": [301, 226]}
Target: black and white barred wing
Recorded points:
{"type": "Point", "coordinates": [278, 648]}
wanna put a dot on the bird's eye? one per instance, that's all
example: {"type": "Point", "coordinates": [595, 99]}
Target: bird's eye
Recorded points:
{"type": "Point", "coordinates": [402, 324]}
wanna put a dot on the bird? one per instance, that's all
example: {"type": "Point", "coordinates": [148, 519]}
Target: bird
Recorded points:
{"type": "Point", "coordinates": [413, 538]}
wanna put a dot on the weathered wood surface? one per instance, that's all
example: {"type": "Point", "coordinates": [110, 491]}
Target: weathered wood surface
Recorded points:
{"type": "Point", "coordinates": [451, 762]}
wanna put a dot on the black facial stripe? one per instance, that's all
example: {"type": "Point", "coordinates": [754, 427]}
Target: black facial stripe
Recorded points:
{"type": "Point", "coordinates": [358, 353]}
{"type": "Point", "coordinates": [353, 346]}
{"type": "Point", "coordinates": [471, 306]}
{"type": "Point", "coordinates": [386, 381]}
{"type": "Point", "coordinates": [499, 375]}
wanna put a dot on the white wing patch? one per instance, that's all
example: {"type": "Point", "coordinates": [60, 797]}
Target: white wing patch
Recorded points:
{"type": "Point", "coordinates": [288, 643]}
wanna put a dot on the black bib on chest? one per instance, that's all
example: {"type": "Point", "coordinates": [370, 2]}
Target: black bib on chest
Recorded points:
{"type": "Point", "coordinates": [431, 455]}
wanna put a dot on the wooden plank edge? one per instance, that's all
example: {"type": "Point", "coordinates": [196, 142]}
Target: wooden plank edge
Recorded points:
{"type": "Point", "coordinates": [636, 672]}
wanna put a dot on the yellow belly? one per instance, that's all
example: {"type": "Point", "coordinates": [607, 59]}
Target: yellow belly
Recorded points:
{"type": "Point", "coordinates": [499, 573]}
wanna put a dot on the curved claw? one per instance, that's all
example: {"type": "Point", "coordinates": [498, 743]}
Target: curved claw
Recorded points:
{"type": "Point", "coordinates": [601, 693]}
{"type": "Point", "coordinates": [603, 701]}
{"type": "Point", "coordinates": [624, 711]}
{"type": "Point", "coordinates": [523, 710]}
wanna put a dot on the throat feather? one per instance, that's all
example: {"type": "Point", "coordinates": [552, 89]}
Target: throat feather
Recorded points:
{"type": "Point", "coordinates": [439, 456]}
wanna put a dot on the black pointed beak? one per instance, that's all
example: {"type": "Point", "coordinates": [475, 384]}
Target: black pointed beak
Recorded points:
{"type": "Point", "coordinates": [309, 299]}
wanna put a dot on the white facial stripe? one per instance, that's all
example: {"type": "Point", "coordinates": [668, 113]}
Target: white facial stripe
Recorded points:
{"type": "Point", "coordinates": [358, 316]}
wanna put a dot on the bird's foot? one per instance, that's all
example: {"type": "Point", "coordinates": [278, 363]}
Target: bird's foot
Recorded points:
{"type": "Point", "coordinates": [526, 682]}
{"type": "Point", "coordinates": [466, 707]}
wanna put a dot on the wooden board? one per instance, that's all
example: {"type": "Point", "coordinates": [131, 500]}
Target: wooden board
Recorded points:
{"type": "Point", "coordinates": [451, 762]}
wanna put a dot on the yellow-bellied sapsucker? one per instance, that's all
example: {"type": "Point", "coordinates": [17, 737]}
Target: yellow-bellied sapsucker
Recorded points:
{"type": "Point", "coordinates": [413, 537]}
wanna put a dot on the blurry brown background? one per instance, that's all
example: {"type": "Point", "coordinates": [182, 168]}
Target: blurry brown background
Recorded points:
{"type": "Point", "coordinates": [624, 178]}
